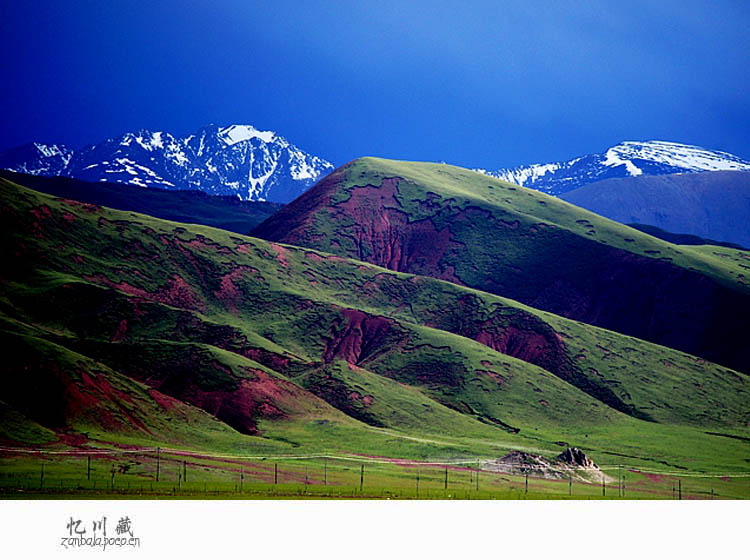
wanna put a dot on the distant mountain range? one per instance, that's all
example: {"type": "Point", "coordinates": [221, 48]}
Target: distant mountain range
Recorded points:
{"type": "Point", "coordinates": [236, 160]}
{"type": "Point", "coordinates": [628, 159]}
{"type": "Point", "coordinates": [709, 205]}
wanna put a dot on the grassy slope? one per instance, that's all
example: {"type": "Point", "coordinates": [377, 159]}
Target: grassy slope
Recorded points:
{"type": "Point", "coordinates": [224, 322]}
{"type": "Point", "coordinates": [463, 187]}
{"type": "Point", "coordinates": [192, 207]}
{"type": "Point", "coordinates": [500, 238]}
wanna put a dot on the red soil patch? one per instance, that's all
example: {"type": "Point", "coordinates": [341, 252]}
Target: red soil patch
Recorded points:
{"type": "Point", "coordinates": [164, 401]}
{"type": "Point", "coordinates": [252, 399]}
{"type": "Point", "coordinates": [359, 337]}
{"type": "Point", "coordinates": [654, 477]}
{"type": "Point", "coordinates": [180, 294]}
{"type": "Point", "coordinates": [385, 236]}
{"type": "Point", "coordinates": [72, 439]}
{"type": "Point", "coordinates": [41, 212]}
{"type": "Point", "coordinates": [526, 338]}
{"type": "Point", "coordinates": [496, 376]}
{"type": "Point", "coordinates": [177, 293]}
{"type": "Point", "coordinates": [244, 248]}
{"type": "Point", "coordinates": [85, 206]}
{"type": "Point", "coordinates": [92, 395]}
{"type": "Point", "coordinates": [366, 400]}
{"type": "Point", "coordinates": [528, 346]}
{"type": "Point", "coordinates": [281, 254]}
{"type": "Point", "coordinates": [121, 330]}
{"type": "Point", "coordinates": [510, 225]}
{"type": "Point", "coordinates": [201, 242]}
{"type": "Point", "coordinates": [269, 359]}
{"type": "Point", "coordinates": [68, 217]}
{"type": "Point", "coordinates": [311, 278]}
{"type": "Point", "coordinates": [229, 294]}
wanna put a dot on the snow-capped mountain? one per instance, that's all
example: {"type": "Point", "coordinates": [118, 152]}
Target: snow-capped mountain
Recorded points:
{"type": "Point", "coordinates": [628, 159]}
{"type": "Point", "coordinates": [236, 160]}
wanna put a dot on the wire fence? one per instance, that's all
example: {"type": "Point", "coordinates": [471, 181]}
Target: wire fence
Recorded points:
{"type": "Point", "coordinates": [172, 472]}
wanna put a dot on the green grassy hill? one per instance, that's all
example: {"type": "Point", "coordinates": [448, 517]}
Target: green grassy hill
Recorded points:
{"type": "Point", "coordinates": [119, 326]}
{"type": "Point", "coordinates": [192, 207]}
{"type": "Point", "coordinates": [454, 224]}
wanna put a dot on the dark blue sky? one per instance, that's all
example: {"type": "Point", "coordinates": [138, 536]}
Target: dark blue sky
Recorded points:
{"type": "Point", "coordinates": [486, 84]}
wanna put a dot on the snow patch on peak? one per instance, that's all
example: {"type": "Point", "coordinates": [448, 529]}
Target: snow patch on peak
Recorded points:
{"type": "Point", "coordinates": [690, 158]}
{"type": "Point", "coordinates": [156, 140]}
{"type": "Point", "coordinates": [240, 132]}
{"type": "Point", "coordinates": [612, 159]}
{"type": "Point", "coordinates": [48, 150]}
{"type": "Point", "coordinates": [654, 157]}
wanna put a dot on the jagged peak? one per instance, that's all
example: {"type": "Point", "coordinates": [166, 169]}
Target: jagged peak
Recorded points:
{"type": "Point", "coordinates": [235, 133]}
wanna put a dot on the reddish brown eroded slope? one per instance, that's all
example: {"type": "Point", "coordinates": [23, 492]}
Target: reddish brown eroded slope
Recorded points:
{"type": "Point", "coordinates": [239, 404]}
{"type": "Point", "coordinates": [52, 395]}
{"type": "Point", "coordinates": [357, 337]}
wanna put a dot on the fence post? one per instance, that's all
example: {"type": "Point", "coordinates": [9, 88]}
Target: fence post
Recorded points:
{"type": "Point", "coordinates": [184, 470]}
{"type": "Point", "coordinates": [417, 483]}
{"type": "Point", "coordinates": [112, 482]}
{"type": "Point", "coordinates": [306, 474]}
{"type": "Point", "coordinates": [275, 473]}
{"type": "Point", "coordinates": [604, 487]}
{"type": "Point", "coordinates": [478, 469]}
{"type": "Point", "coordinates": [446, 478]}
{"type": "Point", "coordinates": [158, 462]}
{"type": "Point", "coordinates": [679, 488]}
{"type": "Point", "coordinates": [325, 472]}
{"type": "Point", "coordinates": [242, 478]}
{"type": "Point", "coordinates": [179, 478]}
{"type": "Point", "coordinates": [88, 467]}
{"type": "Point", "coordinates": [361, 476]}
{"type": "Point", "coordinates": [570, 485]}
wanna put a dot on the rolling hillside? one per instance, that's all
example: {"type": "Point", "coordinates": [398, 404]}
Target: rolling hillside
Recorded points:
{"type": "Point", "coordinates": [457, 225]}
{"type": "Point", "coordinates": [117, 322]}
{"type": "Point", "coordinates": [192, 207]}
